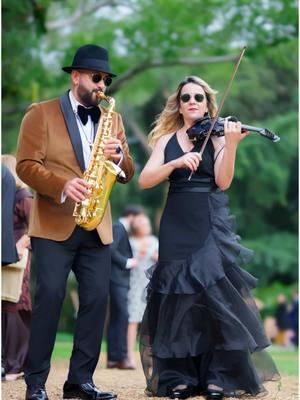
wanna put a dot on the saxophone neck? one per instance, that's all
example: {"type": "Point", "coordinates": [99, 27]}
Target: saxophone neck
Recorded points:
{"type": "Point", "coordinates": [110, 100]}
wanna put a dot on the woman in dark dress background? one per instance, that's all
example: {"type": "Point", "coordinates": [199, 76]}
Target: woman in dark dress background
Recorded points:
{"type": "Point", "coordinates": [201, 331]}
{"type": "Point", "coordinates": [16, 316]}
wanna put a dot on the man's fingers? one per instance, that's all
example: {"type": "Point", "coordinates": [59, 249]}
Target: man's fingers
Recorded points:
{"type": "Point", "coordinates": [81, 182]}
{"type": "Point", "coordinates": [75, 194]}
{"type": "Point", "coordinates": [116, 157]}
{"type": "Point", "coordinates": [77, 197]}
{"type": "Point", "coordinates": [78, 192]}
{"type": "Point", "coordinates": [112, 140]}
{"type": "Point", "coordinates": [77, 189]}
{"type": "Point", "coordinates": [81, 188]}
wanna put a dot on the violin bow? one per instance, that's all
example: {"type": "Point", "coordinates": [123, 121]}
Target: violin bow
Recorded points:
{"type": "Point", "coordinates": [237, 64]}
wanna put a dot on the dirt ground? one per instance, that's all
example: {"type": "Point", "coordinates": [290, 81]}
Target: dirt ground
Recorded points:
{"type": "Point", "coordinates": [129, 384]}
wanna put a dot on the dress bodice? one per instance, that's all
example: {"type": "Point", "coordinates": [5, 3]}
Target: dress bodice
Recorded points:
{"type": "Point", "coordinates": [205, 172]}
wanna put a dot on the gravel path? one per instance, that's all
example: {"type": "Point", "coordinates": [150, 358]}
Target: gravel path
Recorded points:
{"type": "Point", "coordinates": [129, 384]}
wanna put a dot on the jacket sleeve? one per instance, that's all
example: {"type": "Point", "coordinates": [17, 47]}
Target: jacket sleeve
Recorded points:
{"type": "Point", "coordinates": [127, 163]}
{"type": "Point", "coordinates": [31, 154]}
{"type": "Point", "coordinates": [117, 258]}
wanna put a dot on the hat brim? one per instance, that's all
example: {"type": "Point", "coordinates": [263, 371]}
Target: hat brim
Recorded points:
{"type": "Point", "coordinates": [69, 69]}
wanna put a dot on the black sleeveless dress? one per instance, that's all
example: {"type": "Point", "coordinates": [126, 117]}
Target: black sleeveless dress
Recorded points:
{"type": "Point", "coordinates": [201, 325]}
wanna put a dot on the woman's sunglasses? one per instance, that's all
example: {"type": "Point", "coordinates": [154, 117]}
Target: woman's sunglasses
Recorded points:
{"type": "Point", "coordinates": [186, 97]}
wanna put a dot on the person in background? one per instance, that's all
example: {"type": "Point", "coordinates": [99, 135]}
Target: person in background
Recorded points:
{"type": "Point", "coordinates": [145, 250]}
{"type": "Point", "coordinates": [16, 317]}
{"type": "Point", "coordinates": [9, 252]}
{"type": "Point", "coordinates": [54, 149]}
{"type": "Point", "coordinates": [282, 321]}
{"type": "Point", "coordinates": [122, 263]}
{"type": "Point", "coordinates": [294, 318]}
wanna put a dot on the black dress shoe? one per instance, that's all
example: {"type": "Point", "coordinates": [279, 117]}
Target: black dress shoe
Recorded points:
{"type": "Point", "coordinates": [87, 391]}
{"type": "Point", "coordinates": [36, 392]}
{"type": "Point", "coordinates": [214, 395]}
{"type": "Point", "coordinates": [184, 393]}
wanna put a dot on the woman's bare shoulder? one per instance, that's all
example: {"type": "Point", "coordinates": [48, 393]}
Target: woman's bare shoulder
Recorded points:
{"type": "Point", "coordinates": [163, 140]}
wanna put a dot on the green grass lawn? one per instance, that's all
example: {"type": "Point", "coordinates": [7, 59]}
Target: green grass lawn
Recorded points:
{"type": "Point", "coordinates": [286, 360]}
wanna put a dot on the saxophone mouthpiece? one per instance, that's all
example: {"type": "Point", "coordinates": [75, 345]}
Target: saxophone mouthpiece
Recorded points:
{"type": "Point", "coordinates": [101, 95]}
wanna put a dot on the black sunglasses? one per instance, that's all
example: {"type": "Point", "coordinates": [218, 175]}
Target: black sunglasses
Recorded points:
{"type": "Point", "coordinates": [186, 97]}
{"type": "Point", "coordinates": [98, 77]}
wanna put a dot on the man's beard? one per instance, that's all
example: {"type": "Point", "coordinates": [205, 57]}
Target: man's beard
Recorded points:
{"type": "Point", "coordinates": [87, 98]}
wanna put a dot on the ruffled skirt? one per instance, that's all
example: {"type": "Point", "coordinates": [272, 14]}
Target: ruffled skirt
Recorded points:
{"type": "Point", "coordinates": [201, 325]}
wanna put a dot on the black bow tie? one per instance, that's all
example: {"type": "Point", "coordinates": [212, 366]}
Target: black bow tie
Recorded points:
{"type": "Point", "coordinates": [83, 113]}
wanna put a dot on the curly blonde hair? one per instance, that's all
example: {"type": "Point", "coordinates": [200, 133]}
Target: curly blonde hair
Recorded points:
{"type": "Point", "coordinates": [170, 119]}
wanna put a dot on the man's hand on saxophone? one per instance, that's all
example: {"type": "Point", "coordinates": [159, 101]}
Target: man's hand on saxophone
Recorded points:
{"type": "Point", "coordinates": [113, 149]}
{"type": "Point", "coordinates": [76, 189]}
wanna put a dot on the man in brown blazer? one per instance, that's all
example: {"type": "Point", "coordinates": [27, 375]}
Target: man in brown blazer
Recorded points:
{"type": "Point", "coordinates": [54, 147]}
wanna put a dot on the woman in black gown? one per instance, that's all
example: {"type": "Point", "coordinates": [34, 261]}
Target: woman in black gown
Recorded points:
{"type": "Point", "coordinates": [201, 331]}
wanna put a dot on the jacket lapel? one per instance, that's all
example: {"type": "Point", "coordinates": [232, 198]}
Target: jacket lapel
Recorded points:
{"type": "Point", "coordinates": [72, 128]}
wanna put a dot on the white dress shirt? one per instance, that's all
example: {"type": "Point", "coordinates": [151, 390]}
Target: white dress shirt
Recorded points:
{"type": "Point", "coordinates": [87, 131]}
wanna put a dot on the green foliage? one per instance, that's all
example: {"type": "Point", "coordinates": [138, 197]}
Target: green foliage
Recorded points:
{"type": "Point", "coordinates": [266, 173]}
{"type": "Point", "coordinates": [275, 257]}
{"type": "Point", "coordinates": [264, 195]}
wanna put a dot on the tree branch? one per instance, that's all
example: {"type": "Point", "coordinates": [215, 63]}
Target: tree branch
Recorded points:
{"type": "Point", "coordinates": [82, 10]}
{"type": "Point", "coordinates": [123, 78]}
{"type": "Point", "coordinates": [126, 76]}
{"type": "Point", "coordinates": [135, 129]}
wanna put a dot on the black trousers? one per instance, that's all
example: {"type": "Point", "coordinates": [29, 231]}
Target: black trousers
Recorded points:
{"type": "Point", "coordinates": [90, 261]}
{"type": "Point", "coordinates": [118, 323]}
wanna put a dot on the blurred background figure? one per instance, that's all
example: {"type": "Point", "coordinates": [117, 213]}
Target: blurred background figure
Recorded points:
{"type": "Point", "coordinates": [145, 249]}
{"type": "Point", "coordinates": [282, 321]}
{"type": "Point", "coordinates": [122, 262]}
{"type": "Point", "coordinates": [16, 317]}
{"type": "Point", "coordinates": [294, 318]}
{"type": "Point", "coordinates": [8, 194]}
{"type": "Point", "coordinates": [271, 328]}
{"type": "Point", "coordinates": [8, 246]}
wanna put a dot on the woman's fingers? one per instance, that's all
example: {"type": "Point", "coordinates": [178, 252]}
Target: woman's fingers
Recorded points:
{"type": "Point", "coordinates": [192, 160]}
{"type": "Point", "coordinates": [189, 160]}
{"type": "Point", "coordinates": [233, 131]}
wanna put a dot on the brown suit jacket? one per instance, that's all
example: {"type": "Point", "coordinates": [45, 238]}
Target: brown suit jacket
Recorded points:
{"type": "Point", "coordinates": [49, 153]}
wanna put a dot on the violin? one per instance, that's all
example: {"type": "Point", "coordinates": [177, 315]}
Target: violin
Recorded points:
{"type": "Point", "coordinates": [199, 130]}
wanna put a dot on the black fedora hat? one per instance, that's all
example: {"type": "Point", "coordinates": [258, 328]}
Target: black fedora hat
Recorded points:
{"type": "Point", "coordinates": [92, 57]}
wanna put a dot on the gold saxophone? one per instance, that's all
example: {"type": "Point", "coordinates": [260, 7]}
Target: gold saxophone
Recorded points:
{"type": "Point", "coordinates": [101, 174]}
